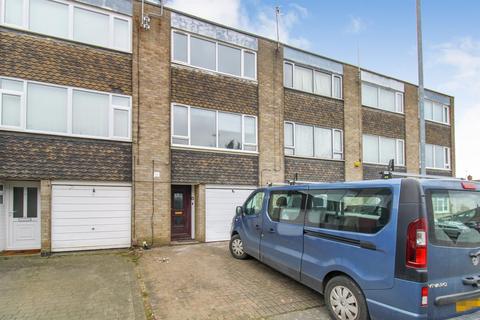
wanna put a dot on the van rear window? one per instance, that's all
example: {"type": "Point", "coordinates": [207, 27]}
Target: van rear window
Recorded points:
{"type": "Point", "coordinates": [355, 210]}
{"type": "Point", "coordinates": [456, 217]}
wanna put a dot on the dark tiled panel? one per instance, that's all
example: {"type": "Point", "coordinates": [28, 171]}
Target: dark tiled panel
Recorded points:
{"type": "Point", "coordinates": [383, 123]}
{"type": "Point", "coordinates": [434, 172]}
{"type": "Point", "coordinates": [438, 134]}
{"type": "Point", "coordinates": [214, 91]}
{"type": "Point", "coordinates": [189, 166]}
{"type": "Point", "coordinates": [34, 157]}
{"type": "Point", "coordinates": [372, 171]}
{"type": "Point", "coordinates": [314, 169]}
{"type": "Point", "coordinates": [44, 59]}
{"type": "Point", "coordinates": [313, 109]}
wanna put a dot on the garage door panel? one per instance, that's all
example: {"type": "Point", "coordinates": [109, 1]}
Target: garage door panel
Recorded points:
{"type": "Point", "coordinates": [96, 220]}
{"type": "Point", "coordinates": [87, 236]}
{"type": "Point", "coordinates": [90, 207]}
{"type": "Point", "coordinates": [90, 200]}
{"type": "Point", "coordinates": [91, 214]}
{"type": "Point", "coordinates": [82, 191]}
{"type": "Point", "coordinates": [72, 245]}
{"type": "Point", "coordinates": [87, 228]}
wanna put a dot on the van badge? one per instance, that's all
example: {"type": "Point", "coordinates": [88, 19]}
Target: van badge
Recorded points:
{"type": "Point", "coordinates": [475, 260]}
{"type": "Point", "coordinates": [475, 257]}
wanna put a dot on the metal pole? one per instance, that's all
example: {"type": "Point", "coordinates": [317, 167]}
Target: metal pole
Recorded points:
{"type": "Point", "coordinates": [421, 108]}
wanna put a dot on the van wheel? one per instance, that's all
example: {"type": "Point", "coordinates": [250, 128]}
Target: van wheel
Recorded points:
{"type": "Point", "coordinates": [236, 248]}
{"type": "Point", "coordinates": [345, 300]}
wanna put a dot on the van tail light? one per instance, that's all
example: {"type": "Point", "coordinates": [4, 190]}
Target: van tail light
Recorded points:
{"type": "Point", "coordinates": [424, 297]}
{"type": "Point", "coordinates": [469, 186]}
{"type": "Point", "coordinates": [417, 244]}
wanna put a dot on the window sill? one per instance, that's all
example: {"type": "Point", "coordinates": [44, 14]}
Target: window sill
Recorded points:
{"type": "Point", "coordinates": [313, 94]}
{"type": "Point", "coordinates": [313, 158]}
{"type": "Point", "coordinates": [380, 109]}
{"type": "Point", "coordinates": [383, 164]}
{"type": "Point", "coordinates": [59, 134]}
{"type": "Point", "coordinates": [210, 149]}
{"type": "Point", "coordinates": [212, 72]}
{"type": "Point", "coordinates": [439, 169]}
{"type": "Point", "coordinates": [437, 122]}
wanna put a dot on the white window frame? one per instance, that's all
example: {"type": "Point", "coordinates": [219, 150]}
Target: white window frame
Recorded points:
{"type": "Point", "coordinates": [71, 5]}
{"type": "Point", "coordinates": [398, 96]}
{"type": "Point", "coordinates": [332, 142]}
{"type": "Point", "coordinates": [188, 138]}
{"type": "Point", "coordinates": [22, 104]}
{"type": "Point", "coordinates": [333, 76]}
{"type": "Point", "coordinates": [399, 147]}
{"type": "Point", "coordinates": [69, 133]}
{"type": "Point", "coordinates": [188, 63]}
{"type": "Point", "coordinates": [447, 158]}
{"type": "Point", "coordinates": [445, 112]}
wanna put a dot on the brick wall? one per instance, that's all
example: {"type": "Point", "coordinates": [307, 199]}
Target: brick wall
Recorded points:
{"type": "Point", "coordinates": [372, 172]}
{"type": "Point", "coordinates": [412, 127]}
{"type": "Point", "coordinates": [46, 217]}
{"type": "Point", "coordinates": [210, 90]}
{"type": "Point", "coordinates": [312, 109]}
{"type": "Point", "coordinates": [314, 169]}
{"type": "Point", "coordinates": [44, 59]}
{"type": "Point", "coordinates": [383, 123]}
{"type": "Point", "coordinates": [438, 134]}
{"type": "Point", "coordinates": [35, 157]}
{"type": "Point", "coordinates": [193, 167]}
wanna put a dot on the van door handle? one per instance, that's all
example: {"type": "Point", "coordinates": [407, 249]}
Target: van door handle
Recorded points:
{"type": "Point", "coordinates": [271, 230]}
{"type": "Point", "coordinates": [257, 227]}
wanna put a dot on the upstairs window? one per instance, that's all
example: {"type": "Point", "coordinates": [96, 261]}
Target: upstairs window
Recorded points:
{"type": "Point", "coordinates": [68, 20]}
{"type": "Point", "coordinates": [380, 150]}
{"type": "Point", "coordinates": [313, 142]}
{"type": "Point", "coordinates": [382, 98]}
{"type": "Point", "coordinates": [437, 157]}
{"type": "Point", "coordinates": [212, 55]}
{"type": "Point", "coordinates": [213, 129]}
{"type": "Point", "coordinates": [437, 112]}
{"type": "Point", "coordinates": [311, 80]}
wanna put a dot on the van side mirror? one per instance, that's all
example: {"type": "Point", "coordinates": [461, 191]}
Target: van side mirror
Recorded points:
{"type": "Point", "coordinates": [239, 211]}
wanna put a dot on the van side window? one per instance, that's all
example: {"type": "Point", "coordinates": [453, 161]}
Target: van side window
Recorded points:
{"type": "Point", "coordinates": [286, 206]}
{"type": "Point", "coordinates": [356, 210]}
{"type": "Point", "coordinates": [254, 204]}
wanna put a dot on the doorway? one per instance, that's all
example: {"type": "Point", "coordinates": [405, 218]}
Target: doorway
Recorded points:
{"type": "Point", "coordinates": [181, 217]}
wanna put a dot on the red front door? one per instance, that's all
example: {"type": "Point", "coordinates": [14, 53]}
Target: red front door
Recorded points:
{"type": "Point", "coordinates": [181, 212]}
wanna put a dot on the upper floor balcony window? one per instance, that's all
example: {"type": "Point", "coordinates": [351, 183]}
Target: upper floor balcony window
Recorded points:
{"type": "Point", "coordinates": [437, 112]}
{"type": "Point", "coordinates": [437, 157]}
{"type": "Point", "coordinates": [380, 150]}
{"type": "Point", "coordinates": [208, 54]}
{"type": "Point", "coordinates": [67, 20]}
{"type": "Point", "coordinates": [382, 98]}
{"type": "Point", "coordinates": [205, 128]}
{"type": "Point", "coordinates": [311, 80]}
{"type": "Point", "coordinates": [313, 142]}
{"type": "Point", "coordinates": [51, 109]}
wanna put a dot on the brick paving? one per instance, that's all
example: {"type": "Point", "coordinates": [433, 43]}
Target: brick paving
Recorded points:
{"type": "Point", "coordinates": [75, 286]}
{"type": "Point", "coordinates": [204, 282]}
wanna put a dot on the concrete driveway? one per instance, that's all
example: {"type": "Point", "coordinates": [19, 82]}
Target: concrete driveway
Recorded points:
{"type": "Point", "coordinates": [204, 282]}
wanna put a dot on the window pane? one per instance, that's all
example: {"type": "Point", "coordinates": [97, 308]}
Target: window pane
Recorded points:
{"type": "Point", "coordinates": [255, 204]}
{"type": "Point", "coordinates": [445, 114]}
{"type": "Point", "coordinates": [180, 141]}
{"type": "Point", "coordinates": [303, 79]}
{"type": "Point", "coordinates": [288, 134]}
{"type": "Point", "coordinates": [337, 87]}
{"type": "Point", "coordinates": [323, 143]}
{"type": "Point", "coordinates": [437, 112]}
{"type": "Point", "coordinates": [387, 100]}
{"type": "Point", "coordinates": [121, 34]}
{"type": "Point", "coordinates": [370, 149]}
{"type": "Point", "coordinates": [202, 53]}
{"type": "Point", "coordinates": [428, 105]}
{"type": "Point", "coordinates": [249, 64]}
{"type": "Point", "coordinates": [180, 121]}
{"type": "Point", "coordinates": [399, 102]}
{"type": "Point", "coordinates": [18, 202]}
{"type": "Point", "coordinates": [229, 60]}
{"type": "Point", "coordinates": [286, 206]}
{"type": "Point", "coordinates": [11, 106]}
{"type": "Point", "coordinates": [14, 12]}
{"type": "Point", "coordinates": [337, 141]}
{"type": "Point", "coordinates": [288, 75]}
{"type": "Point", "coordinates": [120, 123]}
{"type": "Point", "coordinates": [121, 101]}
{"type": "Point", "coordinates": [400, 153]}
{"type": "Point", "coordinates": [90, 27]}
{"type": "Point", "coordinates": [250, 130]}
{"type": "Point", "coordinates": [49, 17]}
{"type": "Point", "coordinates": [203, 128]}
{"type": "Point", "coordinates": [429, 155]}
{"type": "Point", "coordinates": [32, 202]}
{"type": "Point", "coordinates": [180, 47]}
{"type": "Point", "coordinates": [178, 201]}
{"type": "Point", "coordinates": [323, 83]}
{"type": "Point", "coordinates": [229, 131]}
{"type": "Point", "coordinates": [304, 141]}
{"type": "Point", "coordinates": [47, 108]}
{"type": "Point", "coordinates": [369, 95]}
{"type": "Point", "coordinates": [12, 85]}
{"type": "Point", "coordinates": [90, 113]}
{"type": "Point", "coordinates": [387, 150]}
{"type": "Point", "coordinates": [439, 157]}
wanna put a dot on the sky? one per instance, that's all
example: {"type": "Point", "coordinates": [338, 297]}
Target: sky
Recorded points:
{"type": "Point", "coordinates": [381, 36]}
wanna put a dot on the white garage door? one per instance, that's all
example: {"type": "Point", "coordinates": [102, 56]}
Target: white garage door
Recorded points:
{"type": "Point", "coordinates": [220, 210]}
{"type": "Point", "coordinates": [90, 217]}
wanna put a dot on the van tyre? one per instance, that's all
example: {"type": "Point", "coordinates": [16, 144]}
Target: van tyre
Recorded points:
{"type": "Point", "coordinates": [345, 300]}
{"type": "Point", "coordinates": [236, 248]}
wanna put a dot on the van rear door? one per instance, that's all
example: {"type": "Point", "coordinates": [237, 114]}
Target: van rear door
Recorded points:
{"type": "Point", "coordinates": [453, 249]}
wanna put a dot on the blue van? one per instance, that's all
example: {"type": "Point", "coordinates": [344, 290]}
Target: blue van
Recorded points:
{"type": "Point", "coordinates": [384, 249]}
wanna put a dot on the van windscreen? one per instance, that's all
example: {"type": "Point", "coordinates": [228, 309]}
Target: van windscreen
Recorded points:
{"type": "Point", "coordinates": [456, 217]}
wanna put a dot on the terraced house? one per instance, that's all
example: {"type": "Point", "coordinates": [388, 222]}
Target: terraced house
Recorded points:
{"type": "Point", "coordinates": [155, 129]}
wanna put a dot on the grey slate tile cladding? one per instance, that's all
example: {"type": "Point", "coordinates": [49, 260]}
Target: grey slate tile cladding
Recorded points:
{"type": "Point", "coordinates": [213, 168]}
{"type": "Point", "coordinates": [35, 157]}
{"type": "Point", "coordinates": [372, 171]}
{"type": "Point", "coordinates": [383, 123]}
{"type": "Point", "coordinates": [314, 169]}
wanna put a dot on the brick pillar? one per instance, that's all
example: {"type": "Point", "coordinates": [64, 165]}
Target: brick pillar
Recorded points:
{"type": "Point", "coordinates": [271, 111]}
{"type": "Point", "coordinates": [452, 130]}
{"type": "Point", "coordinates": [412, 130]}
{"type": "Point", "coordinates": [46, 216]}
{"type": "Point", "coordinates": [353, 123]}
{"type": "Point", "coordinates": [151, 128]}
{"type": "Point", "coordinates": [200, 212]}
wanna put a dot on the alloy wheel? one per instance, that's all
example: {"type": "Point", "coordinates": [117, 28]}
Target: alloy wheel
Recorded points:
{"type": "Point", "coordinates": [237, 247]}
{"type": "Point", "coordinates": [344, 303]}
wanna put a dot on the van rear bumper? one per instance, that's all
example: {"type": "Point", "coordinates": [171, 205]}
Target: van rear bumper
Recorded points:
{"type": "Point", "coordinates": [381, 311]}
{"type": "Point", "coordinates": [452, 298]}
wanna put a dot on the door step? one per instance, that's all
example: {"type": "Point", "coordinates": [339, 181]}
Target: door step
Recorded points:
{"type": "Point", "coordinates": [183, 242]}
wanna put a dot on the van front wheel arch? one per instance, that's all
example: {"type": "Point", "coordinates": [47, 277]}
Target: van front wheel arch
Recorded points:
{"type": "Point", "coordinates": [345, 300]}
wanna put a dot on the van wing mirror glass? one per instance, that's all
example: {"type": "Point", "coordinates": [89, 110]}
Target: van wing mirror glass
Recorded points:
{"type": "Point", "coordinates": [239, 211]}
